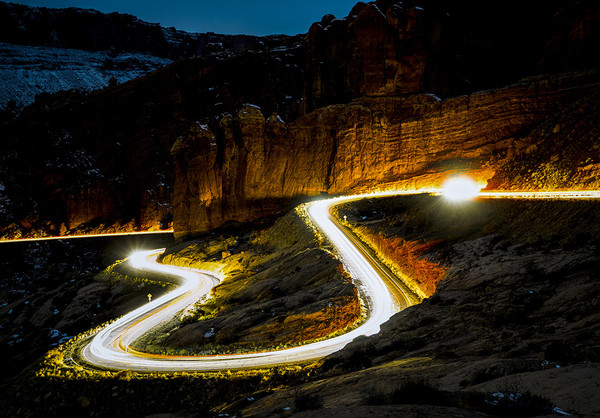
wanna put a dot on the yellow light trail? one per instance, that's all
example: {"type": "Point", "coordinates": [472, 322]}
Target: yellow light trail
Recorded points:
{"type": "Point", "coordinates": [111, 347]}
{"type": "Point", "coordinates": [543, 194]}
{"type": "Point", "coordinates": [108, 234]}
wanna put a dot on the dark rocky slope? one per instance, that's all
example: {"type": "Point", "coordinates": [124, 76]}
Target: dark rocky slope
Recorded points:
{"type": "Point", "coordinates": [46, 50]}
{"type": "Point", "coordinates": [511, 330]}
{"type": "Point", "coordinates": [565, 155]}
{"type": "Point", "coordinates": [51, 291]}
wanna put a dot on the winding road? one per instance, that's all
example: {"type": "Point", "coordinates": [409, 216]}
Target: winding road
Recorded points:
{"type": "Point", "coordinates": [111, 347]}
{"type": "Point", "coordinates": [382, 295]}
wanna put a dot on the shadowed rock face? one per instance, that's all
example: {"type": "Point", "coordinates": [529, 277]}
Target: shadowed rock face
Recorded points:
{"type": "Point", "coordinates": [389, 48]}
{"type": "Point", "coordinates": [91, 30]}
{"type": "Point", "coordinates": [104, 158]}
{"type": "Point", "coordinates": [369, 144]}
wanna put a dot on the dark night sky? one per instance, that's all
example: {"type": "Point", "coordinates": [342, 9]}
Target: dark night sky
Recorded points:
{"type": "Point", "coordinates": [253, 17]}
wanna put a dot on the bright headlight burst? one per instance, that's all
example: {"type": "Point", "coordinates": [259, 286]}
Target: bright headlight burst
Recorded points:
{"type": "Point", "coordinates": [460, 188]}
{"type": "Point", "coordinates": [137, 259]}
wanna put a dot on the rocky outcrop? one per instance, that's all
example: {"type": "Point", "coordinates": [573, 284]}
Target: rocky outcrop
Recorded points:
{"type": "Point", "coordinates": [73, 158]}
{"type": "Point", "coordinates": [95, 31]}
{"type": "Point", "coordinates": [27, 71]}
{"type": "Point", "coordinates": [574, 37]}
{"type": "Point", "coordinates": [373, 51]}
{"type": "Point", "coordinates": [388, 47]}
{"type": "Point", "coordinates": [564, 152]}
{"type": "Point", "coordinates": [251, 165]}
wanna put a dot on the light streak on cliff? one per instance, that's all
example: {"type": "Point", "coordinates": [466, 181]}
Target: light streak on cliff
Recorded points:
{"type": "Point", "coordinates": [104, 235]}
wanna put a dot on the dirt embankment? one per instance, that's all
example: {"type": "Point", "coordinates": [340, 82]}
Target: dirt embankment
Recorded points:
{"type": "Point", "coordinates": [279, 289]}
{"type": "Point", "coordinates": [406, 258]}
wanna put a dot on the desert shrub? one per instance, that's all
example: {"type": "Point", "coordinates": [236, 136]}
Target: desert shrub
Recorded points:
{"type": "Point", "coordinates": [411, 391]}
{"type": "Point", "coordinates": [226, 336]}
{"type": "Point", "coordinates": [357, 360]}
{"type": "Point", "coordinates": [418, 391]}
{"type": "Point", "coordinates": [306, 401]}
{"type": "Point", "coordinates": [377, 395]}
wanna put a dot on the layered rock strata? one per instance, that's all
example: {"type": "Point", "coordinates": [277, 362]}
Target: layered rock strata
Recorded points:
{"type": "Point", "coordinates": [251, 165]}
{"type": "Point", "coordinates": [101, 158]}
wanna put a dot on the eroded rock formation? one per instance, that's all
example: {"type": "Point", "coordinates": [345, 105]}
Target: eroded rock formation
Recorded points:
{"type": "Point", "coordinates": [252, 164]}
{"type": "Point", "coordinates": [95, 31]}
{"type": "Point", "coordinates": [388, 47]}
{"type": "Point", "coordinates": [65, 148]}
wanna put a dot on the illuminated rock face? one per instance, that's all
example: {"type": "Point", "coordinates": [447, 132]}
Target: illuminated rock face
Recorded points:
{"type": "Point", "coordinates": [371, 61]}
{"type": "Point", "coordinates": [253, 166]}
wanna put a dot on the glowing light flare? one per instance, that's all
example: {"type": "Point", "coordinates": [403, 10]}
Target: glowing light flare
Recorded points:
{"type": "Point", "coordinates": [138, 259]}
{"type": "Point", "coordinates": [460, 188]}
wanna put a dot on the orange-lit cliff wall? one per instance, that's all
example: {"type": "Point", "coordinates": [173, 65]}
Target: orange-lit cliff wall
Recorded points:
{"type": "Point", "coordinates": [253, 165]}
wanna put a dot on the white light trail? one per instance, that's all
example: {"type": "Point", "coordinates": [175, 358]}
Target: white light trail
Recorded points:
{"type": "Point", "coordinates": [110, 348]}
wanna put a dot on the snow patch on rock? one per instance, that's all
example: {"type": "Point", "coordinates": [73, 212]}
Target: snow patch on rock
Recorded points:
{"type": "Point", "coordinates": [26, 71]}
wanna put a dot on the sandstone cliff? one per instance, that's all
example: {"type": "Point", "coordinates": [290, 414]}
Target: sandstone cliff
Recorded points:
{"type": "Point", "coordinates": [252, 165]}
{"type": "Point", "coordinates": [102, 159]}
{"type": "Point", "coordinates": [388, 47]}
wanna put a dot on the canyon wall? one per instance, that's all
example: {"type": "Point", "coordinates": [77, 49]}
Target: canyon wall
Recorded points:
{"type": "Point", "coordinates": [92, 30]}
{"type": "Point", "coordinates": [252, 165]}
{"type": "Point", "coordinates": [449, 48]}
{"type": "Point", "coordinates": [341, 108]}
